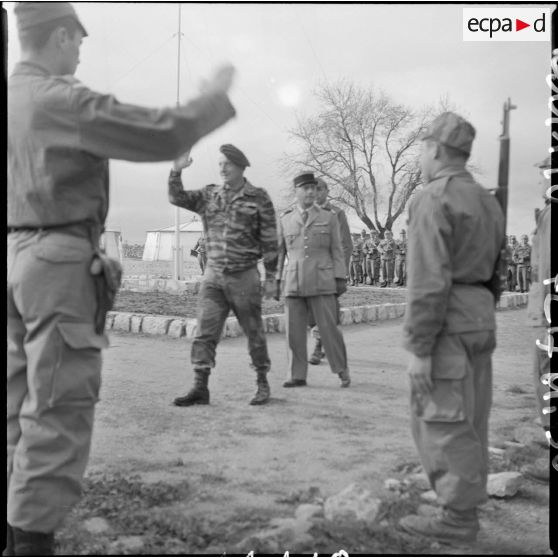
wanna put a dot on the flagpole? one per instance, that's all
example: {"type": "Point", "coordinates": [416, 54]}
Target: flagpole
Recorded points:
{"type": "Point", "coordinates": [177, 209]}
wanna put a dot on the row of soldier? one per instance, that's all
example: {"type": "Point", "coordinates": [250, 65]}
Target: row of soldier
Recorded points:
{"type": "Point", "coordinates": [519, 264]}
{"type": "Point", "coordinates": [377, 261]}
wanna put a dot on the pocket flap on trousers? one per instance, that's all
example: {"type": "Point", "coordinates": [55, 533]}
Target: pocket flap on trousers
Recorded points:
{"type": "Point", "coordinates": [82, 336]}
{"type": "Point", "coordinates": [446, 366]}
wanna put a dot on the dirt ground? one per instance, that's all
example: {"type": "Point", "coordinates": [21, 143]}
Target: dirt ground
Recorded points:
{"type": "Point", "coordinates": [198, 480]}
{"type": "Point", "coordinates": [169, 304]}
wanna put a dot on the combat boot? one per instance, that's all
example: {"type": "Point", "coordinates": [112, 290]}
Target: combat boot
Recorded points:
{"type": "Point", "coordinates": [318, 353]}
{"type": "Point", "coordinates": [345, 378]}
{"type": "Point", "coordinates": [452, 527]}
{"type": "Point", "coordinates": [199, 394]}
{"type": "Point", "coordinates": [9, 550]}
{"type": "Point", "coordinates": [30, 543]}
{"type": "Point", "coordinates": [263, 392]}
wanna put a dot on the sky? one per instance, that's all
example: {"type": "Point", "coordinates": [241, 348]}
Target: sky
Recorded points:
{"type": "Point", "coordinates": [414, 53]}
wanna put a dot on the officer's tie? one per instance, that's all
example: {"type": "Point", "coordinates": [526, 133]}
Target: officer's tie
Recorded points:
{"type": "Point", "coordinates": [305, 216]}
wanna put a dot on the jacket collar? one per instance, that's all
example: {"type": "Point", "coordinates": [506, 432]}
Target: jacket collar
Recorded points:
{"type": "Point", "coordinates": [27, 67]}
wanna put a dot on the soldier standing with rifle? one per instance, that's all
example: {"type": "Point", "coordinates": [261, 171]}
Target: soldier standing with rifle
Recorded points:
{"type": "Point", "coordinates": [456, 232]}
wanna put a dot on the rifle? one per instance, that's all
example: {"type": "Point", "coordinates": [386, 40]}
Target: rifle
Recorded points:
{"type": "Point", "coordinates": [498, 281]}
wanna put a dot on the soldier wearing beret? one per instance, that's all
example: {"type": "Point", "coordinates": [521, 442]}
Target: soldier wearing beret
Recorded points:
{"type": "Point", "coordinates": [322, 201]}
{"type": "Point", "coordinates": [60, 138]}
{"type": "Point", "coordinates": [456, 230]}
{"type": "Point", "coordinates": [240, 228]}
{"type": "Point", "coordinates": [314, 276]}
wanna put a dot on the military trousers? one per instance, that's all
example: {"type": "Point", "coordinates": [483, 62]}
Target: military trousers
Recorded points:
{"type": "Point", "coordinates": [401, 270]}
{"type": "Point", "coordinates": [450, 425]}
{"type": "Point", "coordinates": [325, 310]}
{"type": "Point", "coordinates": [314, 329]}
{"type": "Point", "coordinates": [53, 375]}
{"type": "Point", "coordinates": [512, 278]}
{"type": "Point", "coordinates": [220, 293]}
{"type": "Point", "coordinates": [387, 269]}
{"type": "Point", "coordinates": [355, 271]}
{"type": "Point", "coordinates": [523, 278]}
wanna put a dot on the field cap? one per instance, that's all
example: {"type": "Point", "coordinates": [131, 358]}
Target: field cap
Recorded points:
{"type": "Point", "coordinates": [30, 14]}
{"type": "Point", "coordinates": [450, 129]}
{"type": "Point", "coordinates": [234, 155]}
{"type": "Point", "coordinates": [306, 178]}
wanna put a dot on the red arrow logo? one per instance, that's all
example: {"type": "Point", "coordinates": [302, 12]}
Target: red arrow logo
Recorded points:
{"type": "Point", "coordinates": [519, 25]}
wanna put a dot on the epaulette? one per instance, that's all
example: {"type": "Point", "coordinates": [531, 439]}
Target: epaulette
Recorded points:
{"type": "Point", "coordinates": [71, 80]}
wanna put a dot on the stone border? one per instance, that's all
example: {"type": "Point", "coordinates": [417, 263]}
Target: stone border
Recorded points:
{"type": "Point", "coordinates": [273, 323]}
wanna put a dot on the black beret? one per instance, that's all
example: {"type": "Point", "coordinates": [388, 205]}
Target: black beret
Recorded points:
{"type": "Point", "coordinates": [30, 14]}
{"type": "Point", "coordinates": [234, 155]}
{"type": "Point", "coordinates": [306, 178]}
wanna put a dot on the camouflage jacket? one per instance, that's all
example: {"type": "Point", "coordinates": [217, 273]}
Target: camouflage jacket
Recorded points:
{"type": "Point", "coordinates": [238, 232]}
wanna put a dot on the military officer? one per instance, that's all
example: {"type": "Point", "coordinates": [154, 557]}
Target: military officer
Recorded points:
{"type": "Point", "coordinates": [512, 266]}
{"type": "Point", "coordinates": [322, 201]}
{"type": "Point", "coordinates": [387, 259]}
{"type": "Point", "coordinates": [60, 137]}
{"type": "Point", "coordinates": [522, 258]}
{"type": "Point", "coordinates": [355, 269]}
{"type": "Point", "coordinates": [314, 276]}
{"type": "Point", "coordinates": [240, 227]}
{"type": "Point", "coordinates": [401, 259]}
{"type": "Point", "coordinates": [456, 229]}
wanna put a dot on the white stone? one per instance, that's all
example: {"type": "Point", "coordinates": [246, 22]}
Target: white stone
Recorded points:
{"type": "Point", "coordinates": [232, 328]}
{"type": "Point", "coordinates": [356, 314]}
{"type": "Point", "coordinates": [429, 496]}
{"type": "Point", "coordinates": [176, 329]}
{"type": "Point", "coordinates": [191, 328]}
{"type": "Point", "coordinates": [420, 480]}
{"type": "Point", "coordinates": [496, 452]}
{"type": "Point", "coordinates": [135, 324]}
{"type": "Point", "coordinates": [393, 484]}
{"type": "Point", "coordinates": [345, 316]}
{"type": "Point", "coordinates": [354, 503]}
{"type": "Point", "coordinates": [371, 314]}
{"type": "Point", "coordinates": [382, 312]}
{"type": "Point", "coordinates": [96, 525]}
{"type": "Point", "coordinates": [122, 321]}
{"type": "Point", "coordinates": [155, 325]}
{"type": "Point", "coordinates": [504, 485]}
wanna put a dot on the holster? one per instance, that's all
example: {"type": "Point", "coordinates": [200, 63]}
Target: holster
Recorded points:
{"type": "Point", "coordinates": [107, 275]}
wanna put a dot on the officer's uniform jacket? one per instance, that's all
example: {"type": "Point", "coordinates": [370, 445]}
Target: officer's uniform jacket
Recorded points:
{"type": "Point", "coordinates": [313, 252]}
{"type": "Point", "coordinates": [240, 228]}
{"type": "Point", "coordinates": [344, 230]}
{"type": "Point", "coordinates": [61, 135]}
{"type": "Point", "coordinates": [456, 230]}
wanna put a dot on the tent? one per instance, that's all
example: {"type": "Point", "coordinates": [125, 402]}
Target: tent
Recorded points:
{"type": "Point", "coordinates": [111, 241]}
{"type": "Point", "coordinates": [160, 243]}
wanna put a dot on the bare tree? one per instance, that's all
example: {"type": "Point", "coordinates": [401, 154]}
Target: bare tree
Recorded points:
{"type": "Point", "coordinates": [366, 148]}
